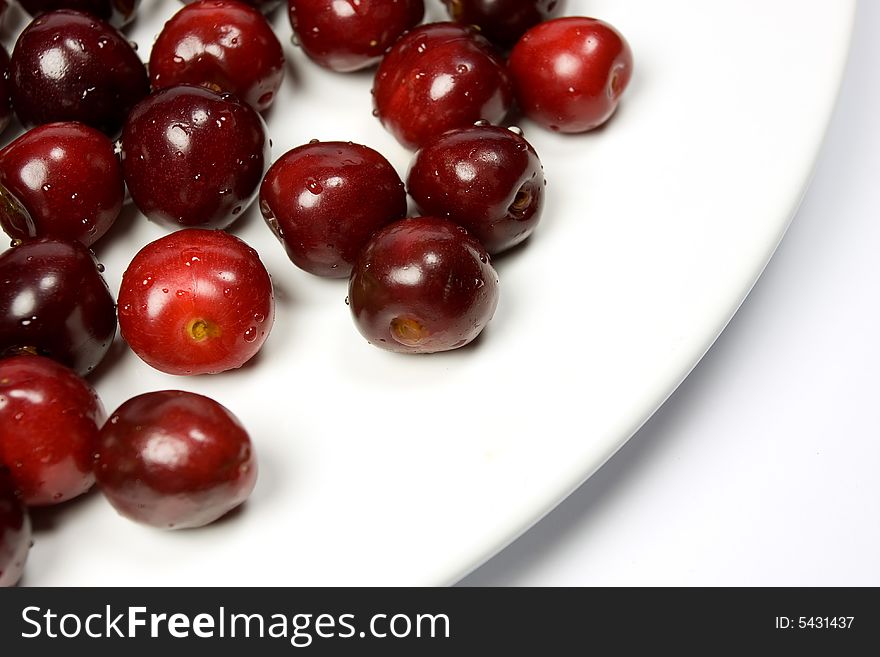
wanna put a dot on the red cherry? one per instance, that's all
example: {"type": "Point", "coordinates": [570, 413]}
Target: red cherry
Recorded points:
{"type": "Point", "coordinates": [196, 302]}
{"type": "Point", "coordinates": [70, 66]}
{"type": "Point", "coordinates": [115, 12]}
{"type": "Point", "coordinates": [192, 157]}
{"type": "Point", "coordinates": [569, 73]}
{"type": "Point", "coordinates": [485, 178]}
{"type": "Point", "coordinates": [422, 285]}
{"type": "Point", "coordinates": [502, 21]}
{"type": "Point", "coordinates": [49, 422]}
{"type": "Point", "coordinates": [439, 77]}
{"type": "Point", "coordinates": [223, 45]}
{"type": "Point", "coordinates": [15, 532]}
{"type": "Point", "coordinates": [175, 459]}
{"type": "Point", "coordinates": [5, 89]}
{"type": "Point", "coordinates": [60, 180]}
{"type": "Point", "coordinates": [54, 301]}
{"type": "Point", "coordinates": [324, 200]}
{"type": "Point", "coordinates": [348, 35]}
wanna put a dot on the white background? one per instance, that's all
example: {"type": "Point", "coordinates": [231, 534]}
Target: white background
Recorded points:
{"type": "Point", "coordinates": [764, 467]}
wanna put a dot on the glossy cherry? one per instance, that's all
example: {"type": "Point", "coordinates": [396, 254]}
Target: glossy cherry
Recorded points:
{"type": "Point", "coordinates": [422, 285]}
{"type": "Point", "coordinates": [502, 21]}
{"type": "Point", "coordinates": [174, 459]}
{"type": "Point", "coordinates": [193, 157]}
{"type": "Point", "coordinates": [569, 73]}
{"type": "Point", "coordinates": [5, 90]}
{"type": "Point", "coordinates": [60, 180]}
{"type": "Point", "coordinates": [49, 422]}
{"type": "Point", "coordinates": [70, 66]}
{"type": "Point", "coordinates": [348, 35]}
{"type": "Point", "coordinates": [15, 532]}
{"type": "Point", "coordinates": [115, 12]}
{"type": "Point", "coordinates": [438, 77]}
{"type": "Point", "coordinates": [54, 302]}
{"type": "Point", "coordinates": [196, 302]}
{"type": "Point", "coordinates": [487, 179]}
{"type": "Point", "coordinates": [323, 200]}
{"type": "Point", "coordinates": [224, 45]}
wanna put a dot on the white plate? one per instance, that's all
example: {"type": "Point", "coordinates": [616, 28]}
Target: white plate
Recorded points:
{"type": "Point", "coordinates": [386, 469]}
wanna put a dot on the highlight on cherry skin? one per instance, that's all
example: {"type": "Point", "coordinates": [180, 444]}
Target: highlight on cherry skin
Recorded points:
{"type": "Point", "coordinates": [422, 285]}
{"type": "Point", "coordinates": [196, 302]}
{"type": "Point", "coordinates": [49, 422]}
{"type": "Point", "coordinates": [174, 460]}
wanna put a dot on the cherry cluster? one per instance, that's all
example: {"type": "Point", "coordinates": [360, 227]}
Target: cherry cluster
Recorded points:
{"type": "Point", "coordinates": [184, 137]}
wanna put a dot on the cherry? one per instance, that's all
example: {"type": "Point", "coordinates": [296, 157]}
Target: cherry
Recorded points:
{"type": "Point", "coordinates": [174, 460]}
{"type": "Point", "coordinates": [569, 73]}
{"type": "Point", "coordinates": [192, 157]}
{"type": "Point", "coordinates": [348, 35]}
{"type": "Point", "coordinates": [49, 422]}
{"type": "Point", "coordinates": [60, 180]}
{"type": "Point", "coordinates": [15, 533]}
{"type": "Point", "coordinates": [223, 45]}
{"type": "Point", "coordinates": [487, 179]}
{"type": "Point", "coordinates": [502, 21]}
{"type": "Point", "coordinates": [196, 302]}
{"type": "Point", "coordinates": [438, 77]}
{"type": "Point", "coordinates": [54, 301]}
{"type": "Point", "coordinates": [5, 89]}
{"type": "Point", "coordinates": [70, 66]}
{"type": "Point", "coordinates": [324, 200]}
{"type": "Point", "coordinates": [115, 12]}
{"type": "Point", "coordinates": [422, 285]}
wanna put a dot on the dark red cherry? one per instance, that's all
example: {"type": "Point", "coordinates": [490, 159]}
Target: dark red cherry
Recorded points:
{"type": "Point", "coordinates": [569, 73]}
{"type": "Point", "coordinates": [175, 459]}
{"type": "Point", "coordinates": [54, 302]}
{"type": "Point", "coordinates": [196, 302]}
{"type": "Point", "coordinates": [502, 21]}
{"type": "Point", "coordinates": [487, 179]}
{"type": "Point", "coordinates": [422, 285]}
{"type": "Point", "coordinates": [323, 200]}
{"type": "Point", "coordinates": [192, 157]}
{"type": "Point", "coordinates": [60, 180]}
{"type": "Point", "coordinates": [5, 90]}
{"type": "Point", "coordinates": [15, 532]}
{"type": "Point", "coordinates": [348, 35]}
{"type": "Point", "coordinates": [115, 12]}
{"type": "Point", "coordinates": [49, 422]}
{"type": "Point", "coordinates": [70, 66]}
{"type": "Point", "coordinates": [439, 77]}
{"type": "Point", "coordinates": [224, 45]}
